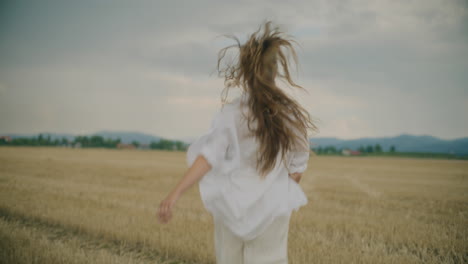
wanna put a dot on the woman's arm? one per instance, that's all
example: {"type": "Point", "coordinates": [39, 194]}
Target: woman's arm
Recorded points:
{"type": "Point", "coordinates": [296, 176]}
{"type": "Point", "coordinates": [198, 169]}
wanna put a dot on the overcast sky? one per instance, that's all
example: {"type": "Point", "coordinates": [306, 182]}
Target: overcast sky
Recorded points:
{"type": "Point", "coordinates": [370, 68]}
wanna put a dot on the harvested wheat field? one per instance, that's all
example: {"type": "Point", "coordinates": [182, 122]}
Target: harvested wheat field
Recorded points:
{"type": "Point", "coordinates": [60, 205]}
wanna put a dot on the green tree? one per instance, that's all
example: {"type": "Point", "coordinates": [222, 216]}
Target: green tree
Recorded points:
{"type": "Point", "coordinates": [330, 150]}
{"type": "Point", "coordinates": [96, 141]}
{"type": "Point", "coordinates": [166, 144]}
{"type": "Point", "coordinates": [319, 150]}
{"type": "Point", "coordinates": [40, 140]}
{"type": "Point", "coordinates": [136, 143]}
{"type": "Point", "coordinates": [378, 148]}
{"type": "Point", "coordinates": [154, 145]}
{"type": "Point", "coordinates": [180, 145]}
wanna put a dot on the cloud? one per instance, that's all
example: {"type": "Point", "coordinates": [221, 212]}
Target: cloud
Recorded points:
{"type": "Point", "coordinates": [371, 67]}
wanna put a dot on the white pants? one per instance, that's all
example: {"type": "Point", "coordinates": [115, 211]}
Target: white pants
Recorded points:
{"type": "Point", "coordinates": [270, 247]}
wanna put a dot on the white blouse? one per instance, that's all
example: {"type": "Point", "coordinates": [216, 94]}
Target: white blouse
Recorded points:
{"type": "Point", "coordinates": [232, 191]}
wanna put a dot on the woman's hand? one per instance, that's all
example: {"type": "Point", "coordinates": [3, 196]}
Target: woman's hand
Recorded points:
{"type": "Point", "coordinates": [198, 169]}
{"type": "Point", "coordinates": [296, 176]}
{"type": "Point", "coordinates": [165, 208]}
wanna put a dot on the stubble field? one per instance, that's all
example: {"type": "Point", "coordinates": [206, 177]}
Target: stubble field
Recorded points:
{"type": "Point", "coordinates": [60, 205]}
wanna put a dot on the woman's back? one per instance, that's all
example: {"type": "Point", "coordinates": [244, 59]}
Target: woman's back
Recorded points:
{"type": "Point", "coordinates": [246, 162]}
{"type": "Point", "coordinates": [233, 191]}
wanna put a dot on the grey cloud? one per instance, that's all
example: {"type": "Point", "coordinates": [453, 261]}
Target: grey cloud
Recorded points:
{"type": "Point", "coordinates": [120, 60]}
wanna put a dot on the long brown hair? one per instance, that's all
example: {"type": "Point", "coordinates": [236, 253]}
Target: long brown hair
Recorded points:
{"type": "Point", "coordinates": [282, 123]}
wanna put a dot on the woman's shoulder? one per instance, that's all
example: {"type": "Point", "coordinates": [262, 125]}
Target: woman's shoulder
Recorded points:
{"type": "Point", "coordinates": [231, 107]}
{"type": "Point", "coordinates": [225, 115]}
{"type": "Point", "coordinates": [232, 110]}
{"type": "Point", "coordinates": [237, 101]}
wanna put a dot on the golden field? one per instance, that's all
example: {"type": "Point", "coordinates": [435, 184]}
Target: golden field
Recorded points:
{"type": "Point", "coordinates": [61, 205]}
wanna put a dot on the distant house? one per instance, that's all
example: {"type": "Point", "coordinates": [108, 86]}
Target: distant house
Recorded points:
{"type": "Point", "coordinates": [5, 138]}
{"type": "Point", "coordinates": [144, 146]}
{"type": "Point", "coordinates": [125, 146]}
{"type": "Point", "coordinates": [349, 152]}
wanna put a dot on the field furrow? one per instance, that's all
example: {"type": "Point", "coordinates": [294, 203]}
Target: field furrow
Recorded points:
{"type": "Point", "coordinates": [25, 239]}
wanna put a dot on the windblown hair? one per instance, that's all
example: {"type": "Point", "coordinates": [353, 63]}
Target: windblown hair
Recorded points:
{"type": "Point", "coordinates": [282, 123]}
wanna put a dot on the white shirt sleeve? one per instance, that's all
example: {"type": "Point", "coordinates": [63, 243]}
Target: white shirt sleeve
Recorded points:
{"type": "Point", "coordinates": [214, 143]}
{"type": "Point", "coordinates": [299, 162]}
{"type": "Point", "coordinates": [300, 154]}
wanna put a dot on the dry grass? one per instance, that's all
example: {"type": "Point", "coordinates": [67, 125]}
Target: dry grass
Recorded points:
{"type": "Point", "coordinates": [95, 205]}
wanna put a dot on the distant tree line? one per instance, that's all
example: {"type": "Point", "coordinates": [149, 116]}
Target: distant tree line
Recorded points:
{"type": "Point", "coordinates": [164, 144]}
{"type": "Point", "coordinates": [376, 150]}
{"type": "Point", "coordinates": [95, 142]}
{"type": "Point", "coordinates": [34, 141]}
{"type": "Point", "coordinates": [90, 142]}
{"type": "Point", "coordinates": [168, 144]}
{"type": "Point", "coordinates": [369, 149]}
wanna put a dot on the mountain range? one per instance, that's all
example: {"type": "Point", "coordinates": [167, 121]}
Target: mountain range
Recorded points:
{"type": "Point", "coordinates": [402, 143]}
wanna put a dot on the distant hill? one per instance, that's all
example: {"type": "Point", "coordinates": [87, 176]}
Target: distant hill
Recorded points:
{"type": "Point", "coordinates": [402, 143]}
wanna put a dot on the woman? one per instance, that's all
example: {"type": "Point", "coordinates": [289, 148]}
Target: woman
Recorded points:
{"type": "Point", "coordinates": [250, 163]}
